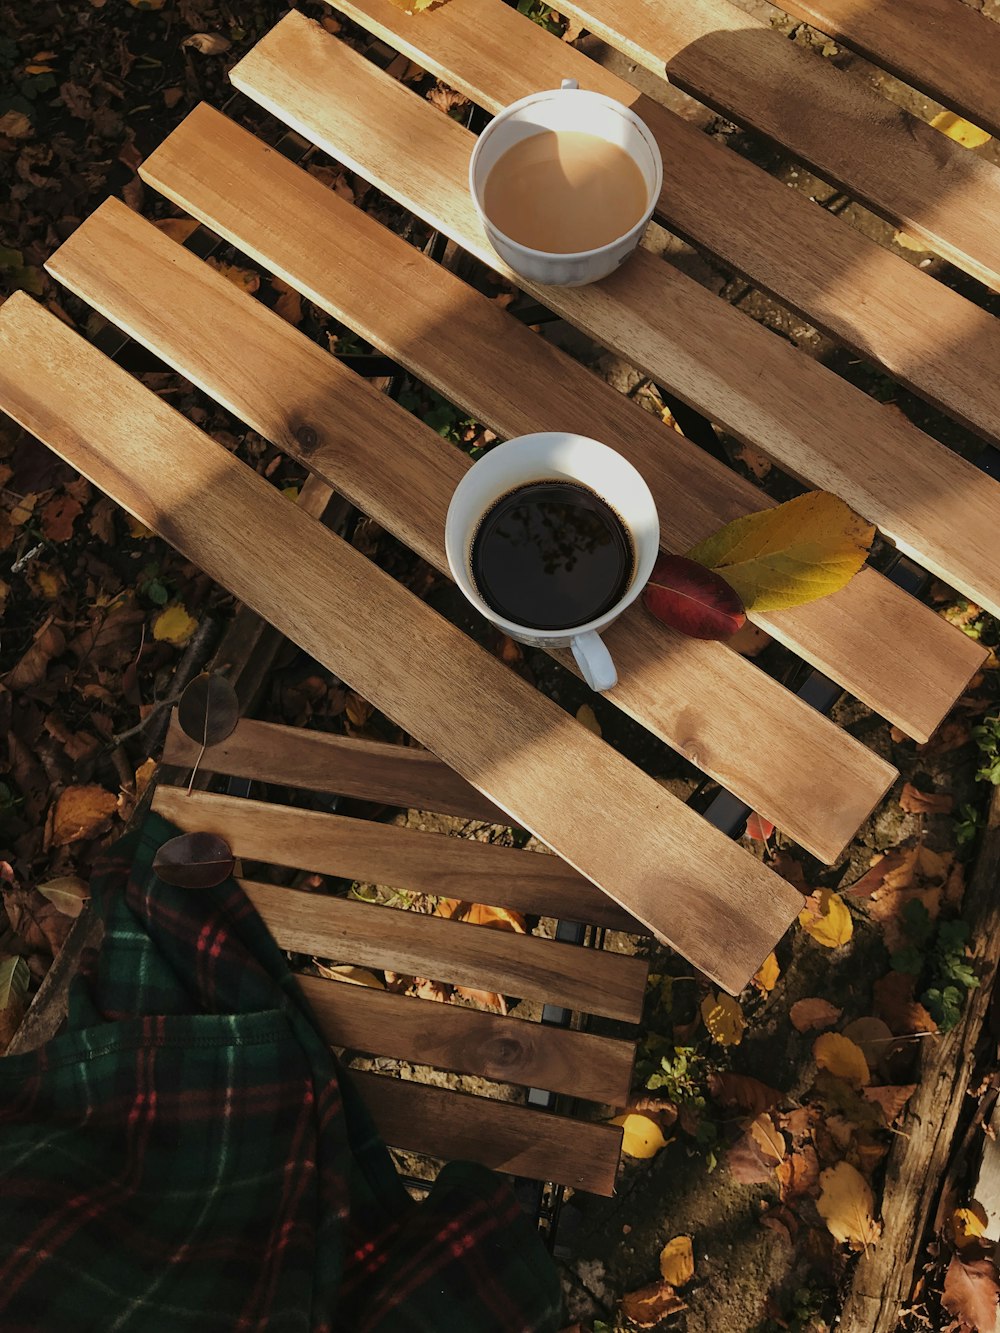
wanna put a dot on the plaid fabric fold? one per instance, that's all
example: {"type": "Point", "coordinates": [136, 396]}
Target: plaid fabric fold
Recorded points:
{"type": "Point", "coordinates": [188, 1155]}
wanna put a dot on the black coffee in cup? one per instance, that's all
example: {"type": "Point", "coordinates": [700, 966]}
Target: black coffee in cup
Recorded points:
{"type": "Point", "coordinates": [551, 555]}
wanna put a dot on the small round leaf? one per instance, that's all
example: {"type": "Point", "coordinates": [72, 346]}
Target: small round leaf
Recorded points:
{"type": "Point", "coordinates": [194, 861]}
{"type": "Point", "coordinates": [209, 709]}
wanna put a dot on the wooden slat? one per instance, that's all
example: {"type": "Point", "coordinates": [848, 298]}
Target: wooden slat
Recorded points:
{"type": "Point", "coordinates": [933, 504]}
{"type": "Point", "coordinates": [942, 47]}
{"type": "Point", "coordinates": [505, 1137]}
{"type": "Point", "coordinates": [469, 1041]}
{"type": "Point", "coordinates": [504, 375]}
{"type": "Point", "coordinates": [400, 858]}
{"type": "Point", "coordinates": [812, 780]}
{"type": "Point", "coordinates": [847, 132]}
{"type": "Point", "coordinates": [347, 765]}
{"type": "Point", "coordinates": [413, 944]}
{"type": "Point", "coordinates": [681, 878]}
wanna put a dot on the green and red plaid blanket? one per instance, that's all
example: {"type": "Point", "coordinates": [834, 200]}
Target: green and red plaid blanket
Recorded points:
{"type": "Point", "coordinates": [188, 1155]}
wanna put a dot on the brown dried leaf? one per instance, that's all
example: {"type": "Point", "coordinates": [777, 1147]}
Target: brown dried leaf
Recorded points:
{"type": "Point", "coordinates": [39, 924]}
{"type": "Point", "coordinates": [743, 1092]}
{"type": "Point", "coordinates": [208, 43]}
{"type": "Point", "coordinates": [485, 999]}
{"type": "Point", "coordinates": [82, 812]}
{"type": "Point", "coordinates": [874, 878]}
{"type": "Point", "coordinates": [648, 1306]}
{"type": "Point", "coordinates": [769, 1140]}
{"type": "Point", "coordinates": [813, 1014]}
{"type": "Point", "coordinates": [893, 1001]}
{"type": "Point", "coordinates": [14, 980]}
{"type": "Point", "coordinates": [67, 894]}
{"type": "Point", "coordinates": [891, 1098]}
{"type": "Point", "coordinates": [178, 229]}
{"type": "Point", "coordinates": [917, 802]}
{"type": "Point", "coordinates": [353, 976]}
{"type": "Point", "coordinates": [798, 1174]}
{"type": "Point", "coordinates": [971, 1292]}
{"type": "Point", "coordinates": [58, 516]}
{"type": "Point", "coordinates": [30, 671]}
{"type": "Point", "coordinates": [209, 709]}
{"type": "Point", "coordinates": [747, 1163]}
{"type": "Point", "coordinates": [194, 861]}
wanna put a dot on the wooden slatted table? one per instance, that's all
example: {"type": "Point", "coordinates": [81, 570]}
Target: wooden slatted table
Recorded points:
{"type": "Point", "coordinates": [659, 864]}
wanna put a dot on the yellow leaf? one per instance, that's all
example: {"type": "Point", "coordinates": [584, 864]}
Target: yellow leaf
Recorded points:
{"type": "Point", "coordinates": [245, 278]}
{"type": "Point", "coordinates": [767, 974]}
{"type": "Point", "coordinates": [969, 136]}
{"type": "Point", "coordinates": [677, 1261]}
{"type": "Point", "coordinates": [808, 548]}
{"type": "Point", "coordinates": [354, 976]}
{"type": "Point", "coordinates": [416, 6]}
{"type": "Point", "coordinates": [178, 229]}
{"type": "Point", "coordinates": [825, 917]}
{"type": "Point", "coordinates": [642, 1137]}
{"type": "Point", "coordinates": [769, 1140]}
{"type": "Point", "coordinates": [51, 582]}
{"type": "Point", "coordinates": [724, 1019]}
{"type": "Point", "coordinates": [907, 242]}
{"type": "Point", "coordinates": [842, 1057]}
{"type": "Point", "coordinates": [80, 813]}
{"type": "Point", "coordinates": [967, 1225]}
{"type": "Point", "coordinates": [67, 893]}
{"type": "Point", "coordinates": [846, 1204]}
{"type": "Point", "coordinates": [588, 718]}
{"type": "Point", "coordinates": [174, 625]}
{"type": "Point", "coordinates": [138, 529]}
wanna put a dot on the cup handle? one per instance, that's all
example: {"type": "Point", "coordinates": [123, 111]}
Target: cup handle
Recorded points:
{"type": "Point", "coordinates": [594, 661]}
{"type": "Point", "coordinates": [569, 83]}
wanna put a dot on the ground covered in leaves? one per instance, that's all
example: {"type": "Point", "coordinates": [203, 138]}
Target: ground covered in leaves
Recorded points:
{"type": "Point", "coordinates": [759, 1127]}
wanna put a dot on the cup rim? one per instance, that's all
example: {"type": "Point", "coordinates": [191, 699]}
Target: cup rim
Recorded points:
{"type": "Point", "coordinates": [628, 114]}
{"type": "Point", "coordinates": [458, 563]}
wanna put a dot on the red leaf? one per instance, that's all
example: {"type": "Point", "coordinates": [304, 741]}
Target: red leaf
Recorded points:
{"type": "Point", "coordinates": [759, 828]}
{"type": "Point", "coordinates": [744, 1092]}
{"type": "Point", "coordinates": [692, 599]}
{"type": "Point", "coordinates": [970, 1293]}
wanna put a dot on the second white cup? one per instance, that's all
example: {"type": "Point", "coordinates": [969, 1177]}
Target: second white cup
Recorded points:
{"type": "Point", "coordinates": [555, 455]}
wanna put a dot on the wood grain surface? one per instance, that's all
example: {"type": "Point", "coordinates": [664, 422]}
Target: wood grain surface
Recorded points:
{"type": "Point", "coordinates": [658, 859]}
{"type": "Point", "coordinates": [942, 47]}
{"type": "Point", "coordinates": [471, 1041]}
{"type": "Point", "coordinates": [465, 345]}
{"type": "Point", "coordinates": [505, 1137]}
{"type": "Point", "coordinates": [413, 944]}
{"type": "Point", "coordinates": [399, 858]}
{"type": "Point", "coordinates": [403, 775]}
{"type": "Point", "coordinates": [933, 504]}
{"type": "Point", "coordinates": [835, 121]}
{"type": "Point", "coordinates": [811, 779]}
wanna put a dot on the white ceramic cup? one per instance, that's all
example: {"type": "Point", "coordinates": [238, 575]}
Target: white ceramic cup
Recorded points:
{"type": "Point", "coordinates": [566, 108]}
{"type": "Point", "coordinates": [554, 455]}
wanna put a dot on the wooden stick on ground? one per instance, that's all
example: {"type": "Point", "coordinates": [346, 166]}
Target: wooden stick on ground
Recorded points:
{"type": "Point", "coordinates": [884, 1277]}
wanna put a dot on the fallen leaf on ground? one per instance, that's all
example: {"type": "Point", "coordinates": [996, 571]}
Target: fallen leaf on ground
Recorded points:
{"type": "Point", "coordinates": [826, 919]}
{"type": "Point", "coordinates": [173, 625]}
{"type": "Point", "coordinates": [39, 924]}
{"type": "Point", "coordinates": [893, 1000]}
{"type": "Point", "coordinates": [208, 43]}
{"type": "Point", "coordinates": [917, 802]}
{"type": "Point", "coordinates": [723, 1018]}
{"type": "Point", "coordinates": [873, 1035]}
{"type": "Point", "coordinates": [742, 1091]}
{"type": "Point", "coordinates": [358, 710]}
{"type": "Point", "coordinates": [247, 279]}
{"type": "Point", "coordinates": [15, 125]}
{"type": "Point", "coordinates": [966, 1225]}
{"type": "Point", "coordinates": [962, 131]}
{"type": "Point", "coordinates": [649, 1306]}
{"type": "Point", "coordinates": [692, 599]}
{"type": "Point", "coordinates": [67, 894]}
{"type": "Point", "coordinates": [289, 302]}
{"type": "Point", "coordinates": [194, 861]}
{"type": "Point", "coordinates": [768, 1139]}
{"type": "Point", "coordinates": [58, 516]}
{"type": "Point", "coordinates": [971, 1292]}
{"type": "Point", "coordinates": [842, 1057]}
{"type": "Point", "coordinates": [178, 229]}
{"type": "Point", "coordinates": [812, 1014]}
{"type": "Point", "coordinates": [353, 976]}
{"type": "Point", "coordinates": [892, 1098]}
{"type": "Point", "coordinates": [846, 1204]}
{"type": "Point", "coordinates": [49, 642]}
{"type": "Point", "coordinates": [810, 547]}
{"type": "Point", "coordinates": [586, 716]}
{"type": "Point", "coordinates": [485, 999]}
{"type": "Point", "coordinates": [82, 812]}
{"type": "Point", "coordinates": [677, 1261]}
{"type": "Point", "coordinates": [798, 1173]}
{"type": "Point", "coordinates": [791, 870]}
{"type": "Point", "coordinates": [641, 1137]}
{"type": "Point", "coordinates": [14, 979]}
{"type": "Point", "coordinates": [766, 976]}
{"type": "Point", "coordinates": [748, 1163]}
{"type": "Point", "coordinates": [758, 828]}
{"type": "Point", "coordinates": [209, 709]}
{"type": "Point", "coordinates": [478, 914]}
